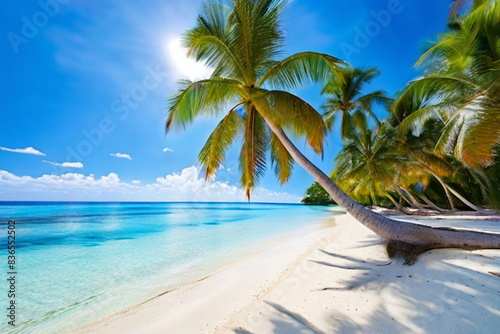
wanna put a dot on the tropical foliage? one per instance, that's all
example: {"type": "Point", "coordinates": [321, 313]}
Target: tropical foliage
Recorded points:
{"type": "Point", "coordinates": [344, 97]}
{"type": "Point", "coordinates": [241, 41]}
{"type": "Point", "coordinates": [316, 195]}
{"type": "Point", "coordinates": [444, 127]}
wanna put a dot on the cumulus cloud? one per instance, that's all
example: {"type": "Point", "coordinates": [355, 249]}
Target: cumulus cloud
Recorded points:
{"type": "Point", "coordinates": [65, 164]}
{"type": "Point", "coordinates": [166, 149]}
{"type": "Point", "coordinates": [27, 150]}
{"type": "Point", "coordinates": [121, 155]}
{"type": "Point", "coordinates": [187, 185]}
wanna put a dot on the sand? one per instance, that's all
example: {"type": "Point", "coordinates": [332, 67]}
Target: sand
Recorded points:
{"type": "Point", "coordinates": [335, 280]}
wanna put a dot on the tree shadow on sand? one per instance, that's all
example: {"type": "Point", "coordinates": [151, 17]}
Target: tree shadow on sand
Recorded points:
{"type": "Point", "coordinates": [446, 291]}
{"type": "Point", "coordinates": [427, 293]}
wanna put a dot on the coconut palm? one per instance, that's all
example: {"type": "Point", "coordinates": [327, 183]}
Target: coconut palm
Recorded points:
{"type": "Point", "coordinates": [345, 97]}
{"type": "Point", "coordinates": [366, 167]}
{"type": "Point", "coordinates": [241, 43]}
{"type": "Point", "coordinates": [419, 145]}
{"type": "Point", "coordinates": [462, 89]}
{"type": "Point", "coordinates": [241, 40]}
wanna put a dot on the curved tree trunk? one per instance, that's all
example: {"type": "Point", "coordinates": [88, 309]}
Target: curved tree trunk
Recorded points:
{"type": "Point", "coordinates": [464, 200]}
{"type": "Point", "coordinates": [413, 199]}
{"type": "Point", "coordinates": [397, 232]}
{"type": "Point", "coordinates": [403, 197]}
{"type": "Point", "coordinates": [432, 205]}
{"type": "Point", "coordinates": [396, 204]}
{"type": "Point", "coordinates": [448, 195]}
{"type": "Point", "coordinates": [400, 207]}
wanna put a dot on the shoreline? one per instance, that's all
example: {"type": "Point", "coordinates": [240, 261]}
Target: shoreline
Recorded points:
{"type": "Point", "coordinates": [293, 240]}
{"type": "Point", "coordinates": [332, 280]}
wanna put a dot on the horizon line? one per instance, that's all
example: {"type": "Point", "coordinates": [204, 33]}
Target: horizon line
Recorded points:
{"type": "Point", "coordinates": [146, 202]}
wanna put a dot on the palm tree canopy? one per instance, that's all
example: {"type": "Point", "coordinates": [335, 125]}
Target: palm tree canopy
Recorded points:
{"type": "Point", "coordinates": [462, 89]}
{"type": "Point", "coordinates": [242, 40]}
{"type": "Point", "coordinates": [345, 96]}
{"type": "Point", "coordinates": [367, 164]}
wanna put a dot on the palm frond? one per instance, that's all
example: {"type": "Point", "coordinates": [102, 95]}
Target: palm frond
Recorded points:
{"type": "Point", "coordinates": [378, 97]}
{"type": "Point", "coordinates": [300, 68]}
{"type": "Point", "coordinates": [281, 159]}
{"type": "Point", "coordinates": [257, 35]}
{"type": "Point", "coordinates": [292, 113]}
{"type": "Point", "coordinates": [415, 120]}
{"type": "Point", "coordinates": [210, 39]}
{"type": "Point", "coordinates": [481, 131]}
{"type": "Point", "coordinates": [253, 151]}
{"type": "Point", "coordinates": [206, 97]}
{"type": "Point", "coordinates": [213, 152]}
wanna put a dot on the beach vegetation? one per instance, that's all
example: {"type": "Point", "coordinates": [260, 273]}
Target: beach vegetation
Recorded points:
{"type": "Point", "coordinates": [250, 91]}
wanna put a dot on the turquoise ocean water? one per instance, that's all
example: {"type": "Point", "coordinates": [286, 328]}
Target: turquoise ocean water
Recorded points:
{"type": "Point", "coordinates": [79, 262]}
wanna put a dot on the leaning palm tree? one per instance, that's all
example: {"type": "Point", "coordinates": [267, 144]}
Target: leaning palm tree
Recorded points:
{"type": "Point", "coordinates": [345, 96]}
{"type": "Point", "coordinates": [241, 40]}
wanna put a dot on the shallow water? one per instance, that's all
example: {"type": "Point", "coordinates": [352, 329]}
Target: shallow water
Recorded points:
{"type": "Point", "coordinates": [78, 262]}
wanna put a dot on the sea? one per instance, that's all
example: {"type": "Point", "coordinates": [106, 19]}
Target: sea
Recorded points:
{"type": "Point", "coordinates": [76, 263]}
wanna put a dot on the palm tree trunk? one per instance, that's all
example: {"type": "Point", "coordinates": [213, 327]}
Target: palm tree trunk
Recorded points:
{"type": "Point", "coordinates": [464, 200]}
{"type": "Point", "coordinates": [440, 180]}
{"type": "Point", "coordinates": [399, 206]}
{"type": "Point", "coordinates": [387, 228]}
{"type": "Point", "coordinates": [448, 189]}
{"type": "Point", "coordinates": [401, 196]}
{"type": "Point", "coordinates": [432, 205]}
{"type": "Point", "coordinates": [396, 204]}
{"type": "Point", "coordinates": [413, 199]}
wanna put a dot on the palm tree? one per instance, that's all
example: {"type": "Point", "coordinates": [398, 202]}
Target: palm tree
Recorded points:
{"type": "Point", "coordinates": [241, 41]}
{"type": "Point", "coordinates": [345, 97]}
{"type": "Point", "coordinates": [420, 149]}
{"type": "Point", "coordinates": [463, 88]}
{"type": "Point", "coordinates": [366, 167]}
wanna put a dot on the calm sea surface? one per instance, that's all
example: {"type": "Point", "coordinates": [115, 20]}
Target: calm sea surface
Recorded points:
{"type": "Point", "coordinates": [78, 262]}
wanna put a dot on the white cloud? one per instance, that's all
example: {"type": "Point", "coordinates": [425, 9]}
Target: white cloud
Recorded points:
{"type": "Point", "coordinates": [187, 185]}
{"type": "Point", "coordinates": [27, 150]}
{"type": "Point", "coordinates": [182, 65]}
{"type": "Point", "coordinates": [121, 155]}
{"type": "Point", "coordinates": [166, 149]}
{"type": "Point", "coordinates": [66, 164]}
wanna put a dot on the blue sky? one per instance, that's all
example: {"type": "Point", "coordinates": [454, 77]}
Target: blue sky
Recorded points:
{"type": "Point", "coordinates": [86, 83]}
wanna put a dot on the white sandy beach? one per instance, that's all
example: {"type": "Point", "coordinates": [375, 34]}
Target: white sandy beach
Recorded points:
{"type": "Point", "coordinates": [335, 280]}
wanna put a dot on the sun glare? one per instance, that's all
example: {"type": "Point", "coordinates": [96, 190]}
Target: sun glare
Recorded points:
{"type": "Point", "coordinates": [182, 65]}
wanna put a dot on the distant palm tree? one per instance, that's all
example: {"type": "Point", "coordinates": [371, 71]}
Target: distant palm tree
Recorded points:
{"type": "Point", "coordinates": [366, 167]}
{"type": "Point", "coordinates": [345, 96]}
{"type": "Point", "coordinates": [241, 41]}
